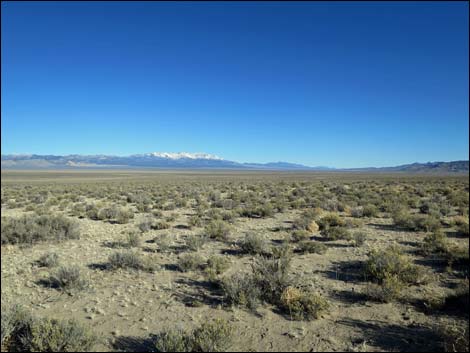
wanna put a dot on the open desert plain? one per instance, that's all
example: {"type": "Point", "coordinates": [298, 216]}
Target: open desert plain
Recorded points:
{"type": "Point", "coordinates": [234, 261]}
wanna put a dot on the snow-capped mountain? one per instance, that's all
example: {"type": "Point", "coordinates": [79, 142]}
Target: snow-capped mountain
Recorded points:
{"type": "Point", "coordinates": [146, 160]}
{"type": "Point", "coordinates": [185, 160]}
{"type": "Point", "coordinates": [180, 155]}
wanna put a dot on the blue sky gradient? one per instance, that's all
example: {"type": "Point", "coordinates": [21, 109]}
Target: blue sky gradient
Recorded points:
{"type": "Point", "coordinates": [336, 84]}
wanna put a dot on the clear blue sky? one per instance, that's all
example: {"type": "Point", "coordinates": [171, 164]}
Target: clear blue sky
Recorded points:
{"type": "Point", "coordinates": [336, 84]}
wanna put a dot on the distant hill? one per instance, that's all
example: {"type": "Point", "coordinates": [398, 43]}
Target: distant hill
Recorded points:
{"type": "Point", "coordinates": [185, 160]}
{"type": "Point", "coordinates": [149, 160]}
{"type": "Point", "coordinates": [430, 167]}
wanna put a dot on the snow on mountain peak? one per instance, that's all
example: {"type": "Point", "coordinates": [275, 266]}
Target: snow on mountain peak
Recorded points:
{"type": "Point", "coordinates": [181, 155]}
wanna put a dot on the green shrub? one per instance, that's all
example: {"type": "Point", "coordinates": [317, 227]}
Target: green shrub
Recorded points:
{"type": "Point", "coordinates": [463, 229]}
{"type": "Point", "coordinates": [359, 238]}
{"type": "Point", "coordinates": [435, 243]}
{"type": "Point", "coordinates": [68, 279]}
{"type": "Point", "coordinates": [382, 264]}
{"type": "Point", "coordinates": [253, 244]}
{"type": "Point", "coordinates": [164, 242]}
{"type": "Point", "coordinates": [107, 213]}
{"type": "Point", "coordinates": [23, 333]}
{"type": "Point", "coordinates": [123, 216]}
{"type": "Point", "coordinates": [195, 221]}
{"type": "Point", "coordinates": [427, 223]}
{"type": "Point", "coordinates": [158, 225]}
{"type": "Point", "coordinates": [33, 229]}
{"type": "Point", "coordinates": [262, 211]}
{"type": "Point", "coordinates": [212, 336]}
{"type": "Point", "coordinates": [145, 225]}
{"type": "Point", "coordinates": [357, 212]}
{"type": "Point", "coordinates": [216, 265]}
{"type": "Point", "coordinates": [190, 262]}
{"type": "Point", "coordinates": [370, 210]}
{"type": "Point", "coordinates": [175, 340]}
{"type": "Point", "coordinates": [453, 337]}
{"type": "Point", "coordinates": [133, 239]}
{"type": "Point", "coordinates": [271, 276]}
{"type": "Point", "coordinates": [312, 247]}
{"type": "Point", "coordinates": [241, 289]}
{"type": "Point", "coordinates": [330, 220]}
{"type": "Point", "coordinates": [300, 235]}
{"type": "Point", "coordinates": [15, 322]}
{"type": "Point", "coordinates": [50, 335]}
{"type": "Point", "coordinates": [50, 259]}
{"type": "Point", "coordinates": [388, 290]}
{"type": "Point", "coordinates": [129, 260]}
{"type": "Point", "coordinates": [335, 233]}
{"type": "Point", "coordinates": [195, 242]}
{"type": "Point", "coordinates": [303, 305]}
{"type": "Point", "coordinates": [218, 230]}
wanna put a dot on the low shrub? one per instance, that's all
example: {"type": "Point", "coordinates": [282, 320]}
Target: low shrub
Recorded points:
{"type": "Point", "coordinates": [300, 235]}
{"type": "Point", "coordinates": [359, 238]}
{"type": "Point", "coordinates": [241, 289]}
{"type": "Point", "coordinates": [303, 305]}
{"type": "Point", "coordinates": [129, 260]}
{"type": "Point", "coordinates": [435, 243]}
{"type": "Point", "coordinates": [335, 233]}
{"type": "Point", "coordinates": [370, 210]}
{"type": "Point", "coordinates": [195, 242]}
{"type": "Point", "coordinates": [190, 262]}
{"type": "Point", "coordinates": [271, 276]}
{"type": "Point", "coordinates": [51, 335]}
{"type": "Point", "coordinates": [32, 229]}
{"type": "Point", "coordinates": [212, 336]}
{"type": "Point", "coordinates": [218, 230]}
{"type": "Point", "coordinates": [311, 247]}
{"type": "Point", "coordinates": [388, 290]}
{"type": "Point", "coordinates": [50, 259]}
{"type": "Point", "coordinates": [68, 279]}
{"type": "Point", "coordinates": [382, 264]}
{"type": "Point", "coordinates": [195, 221]}
{"type": "Point", "coordinates": [23, 333]}
{"type": "Point", "coordinates": [253, 244]}
{"type": "Point", "coordinates": [216, 265]}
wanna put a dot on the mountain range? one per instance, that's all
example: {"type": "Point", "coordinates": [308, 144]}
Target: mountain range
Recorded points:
{"type": "Point", "coordinates": [184, 160]}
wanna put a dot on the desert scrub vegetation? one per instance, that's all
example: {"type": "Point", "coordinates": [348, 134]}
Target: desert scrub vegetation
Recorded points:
{"type": "Point", "coordinates": [241, 289]}
{"type": "Point", "coordinates": [195, 221]}
{"type": "Point", "coordinates": [191, 262]}
{"type": "Point", "coordinates": [130, 260]}
{"type": "Point", "coordinates": [68, 279]}
{"type": "Point", "coordinates": [359, 238]}
{"type": "Point", "coordinates": [216, 266]}
{"type": "Point", "coordinates": [387, 290]}
{"type": "Point", "coordinates": [381, 264]}
{"type": "Point", "coordinates": [307, 222]}
{"type": "Point", "coordinates": [332, 227]}
{"type": "Point", "coordinates": [336, 233]}
{"type": "Point", "coordinates": [212, 336]}
{"type": "Point", "coordinates": [195, 242]}
{"type": "Point", "coordinates": [311, 247]}
{"type": "Point", "coordinates": [415, 222]}
{"type": "Point", "coordinates": [217, 230]}
{"type": "Point", "coordinates": [50, 259]}
{"type": "Point", "coordinates": [21, 332]}
{"type": "Point", "coordinates": [303, 305]}
{"type": "Point", "coordinates": [31, 229]}
{"type": "Point", "coordinates": [253, 244]}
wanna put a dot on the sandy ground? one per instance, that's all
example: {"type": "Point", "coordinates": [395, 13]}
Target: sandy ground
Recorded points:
{"type": "Point", "coordinates": [126, 307]}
